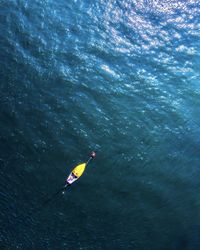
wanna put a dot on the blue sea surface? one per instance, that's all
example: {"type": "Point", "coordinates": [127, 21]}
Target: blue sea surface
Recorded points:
{"type": "Point", "coordinates": [119, 77]}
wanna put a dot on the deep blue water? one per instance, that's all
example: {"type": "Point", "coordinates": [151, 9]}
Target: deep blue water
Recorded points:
{"type": "Point", "coordinates": [118, 77]}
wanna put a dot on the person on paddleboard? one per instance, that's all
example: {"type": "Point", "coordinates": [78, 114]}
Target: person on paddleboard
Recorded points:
{"type": "Point", "coordinates": [74, 175]}
{"type": "Point", "coordinates": [78, 171]}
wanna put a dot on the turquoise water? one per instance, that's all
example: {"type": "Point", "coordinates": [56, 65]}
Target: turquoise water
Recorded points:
{"type": "Point", "coordinates": [117, 77]}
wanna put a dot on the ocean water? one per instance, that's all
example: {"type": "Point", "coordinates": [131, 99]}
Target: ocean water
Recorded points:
{"type": "Point", "coordinates": [118, 77]}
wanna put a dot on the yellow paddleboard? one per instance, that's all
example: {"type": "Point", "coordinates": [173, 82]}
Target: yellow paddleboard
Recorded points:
{"type": "Point", "coordinates": [78, 170]}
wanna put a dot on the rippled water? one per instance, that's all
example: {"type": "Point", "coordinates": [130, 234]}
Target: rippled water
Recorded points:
{"type": "Point", "coordinates": [118, 77]}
